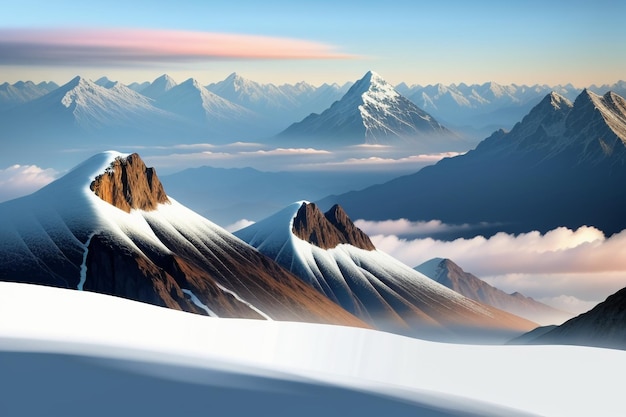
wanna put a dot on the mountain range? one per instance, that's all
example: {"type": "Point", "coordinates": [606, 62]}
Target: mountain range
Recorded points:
{"type": "Point", "coordinates": [84, 112]}
{"type": "Point", "coordinates": [12, 95]}
{"type": "Point", "coordinates": [446, 272]}
{"type": "Point", "coordinates": [489, 106]}
{"type": "Point", "coordinates": [562, 165]}
{"type": "Point", "coordinates": [328, 252]}
{"type": "Point", "coordinates": [108, 226]}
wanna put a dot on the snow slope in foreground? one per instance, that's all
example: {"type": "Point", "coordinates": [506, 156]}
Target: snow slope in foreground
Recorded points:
{"type": "Point", "coordinates": [96, 355]}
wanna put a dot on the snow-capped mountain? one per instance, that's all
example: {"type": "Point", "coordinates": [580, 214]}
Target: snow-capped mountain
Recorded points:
{"type": "Point", "coordinates": [447, 273]}
{"type": "Point", "coordinates": [210, 116]}
{"type": "Point", "coordinates": [108, 226]}
{"type": "Point", "coordinates": [82, 110]}
{"type": "Point", "coordinates": [372, 112]}
{"type": "Point", "coordinates": [262, 98]}
{"type": "Point", "coordinates": [279, 105]}
{"type": "Point", "coordinates": [328, 252]}
{"type": "Point", "coordinates": [602, 326]}
{"type": "Point", "coordinates": [562, 165]}
{"type": "Point", "coordinates": [158, 87]}
{"type": "Point", "coordinates": [12, 95]}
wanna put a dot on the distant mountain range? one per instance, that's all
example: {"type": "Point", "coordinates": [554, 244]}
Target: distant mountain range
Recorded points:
{"type": "Point", "coordinates": [12, 95]}
{"type": "Point", "coordinates": [489, 106]}
{"type": "Point", "coordinates": [241, 109]}
{"type": "Point", "coordinates": [564, 164]}
{"type": "Point", "coordinates": [83, 113]}
{"type": "Point", "coordinates": [328, 252]}
{"type": "Point", "coordinates": [446, 272]}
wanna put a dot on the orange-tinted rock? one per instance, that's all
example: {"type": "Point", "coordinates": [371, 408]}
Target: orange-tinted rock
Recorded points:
{"type": "Point", "coordinates": [129, 184]}
{"type": "Point", "coordinates": [328, 230]}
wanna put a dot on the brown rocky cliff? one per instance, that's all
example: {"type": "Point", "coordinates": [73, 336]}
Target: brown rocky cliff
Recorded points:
{"type": "Point", "coordinates": [353, 235]}
{"type": "Point", "coordinates": [328, 230]}
{"type": "Point", "coordinates": [129, 184]}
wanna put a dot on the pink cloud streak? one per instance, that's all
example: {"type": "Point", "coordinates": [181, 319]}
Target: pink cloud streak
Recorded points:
{"type": "Point", "coordinates": [102, 46]}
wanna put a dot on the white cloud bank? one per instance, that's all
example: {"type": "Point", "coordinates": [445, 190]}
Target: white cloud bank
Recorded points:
{"type": "Point", "coordinates": [575, 268]}
{"type": "Point", "coordinates": [19, 180]}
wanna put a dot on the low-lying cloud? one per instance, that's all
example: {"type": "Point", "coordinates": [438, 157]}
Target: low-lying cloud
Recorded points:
{"type": "Point", "coordinates": [581, 263]}
{"type": "Point", "coordinates": [19, 180]}
{"type": "Point", "coordinates": [407, 228]}
{"type": "Point", "coordinates": [96, 47]}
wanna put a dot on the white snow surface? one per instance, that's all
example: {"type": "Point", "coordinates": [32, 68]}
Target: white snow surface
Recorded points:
{"type": "Point", "coordinates": [550, 381]}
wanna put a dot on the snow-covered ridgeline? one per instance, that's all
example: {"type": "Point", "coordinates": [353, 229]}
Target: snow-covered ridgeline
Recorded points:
{"type": "Point", "coordinates": [542, 380]}
{"type": "Point", "coordinates": [273, 236]}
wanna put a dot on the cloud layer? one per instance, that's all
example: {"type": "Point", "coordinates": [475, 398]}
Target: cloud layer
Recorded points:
{"type": "Point", "coordinates": [93, 47]}
{"type": "Point", "coordinates": [562, 265]}
{"type": "Point", "coordinates": [20, 180]}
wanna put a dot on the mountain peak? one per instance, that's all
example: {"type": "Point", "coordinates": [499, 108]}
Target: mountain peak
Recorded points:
{"type": "Point", "coordinates": [558, 101]}
{"type": "Point", "coordinates": [128, 184]}
{"type": "Point", "coordinates": [327, 230]}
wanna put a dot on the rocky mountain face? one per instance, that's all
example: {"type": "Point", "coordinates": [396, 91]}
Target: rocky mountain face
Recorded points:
{"type": "Point", "coordinates": [329, 229]}
{"type": "Point", "coordinates": [562, 165]}
{"type": "Point", "coordinates": [129, 184]}
{"type": "Point", "coordinates": [372, 112]}
{"type": "Point", "coordinates": [108, 226]}
{"type": "Point", "coordinates": [370, 284]}
{"type": "Point", "coordinates": [602, 326]}
{"type": "Point", "coordinates": [446, 272]}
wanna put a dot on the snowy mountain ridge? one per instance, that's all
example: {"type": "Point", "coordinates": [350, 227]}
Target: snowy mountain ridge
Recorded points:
{"type": "Point", "coordinates": [371, 112]}
{"type": "Point", "coordinates": [80, 232]}
{"type": "Point", "coordinates": [371, 284]}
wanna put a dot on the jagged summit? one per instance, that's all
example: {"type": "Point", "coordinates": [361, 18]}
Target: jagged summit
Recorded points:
{"type": "Point", "coordinates": [327, 230]}
{"type": "Point", "coordinates": [159, 86]}
{"type": "Point", "coordinates": [129, 184]}
{"type": "Point", "coordinates": [371, 111]}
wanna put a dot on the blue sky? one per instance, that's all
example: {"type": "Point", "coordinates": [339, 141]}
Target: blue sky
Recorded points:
{"type": "Point", "coordinates": [416, 42]}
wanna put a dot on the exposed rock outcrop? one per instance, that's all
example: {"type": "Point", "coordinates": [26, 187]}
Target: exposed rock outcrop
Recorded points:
{"type": "Point", "coordinates": [327, 230]}
{"type": "Point", "coordinates": [129, 184]}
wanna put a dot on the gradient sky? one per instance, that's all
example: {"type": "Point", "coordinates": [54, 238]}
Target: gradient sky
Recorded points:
{"type": "Point", "coordinates": [524, 42]}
